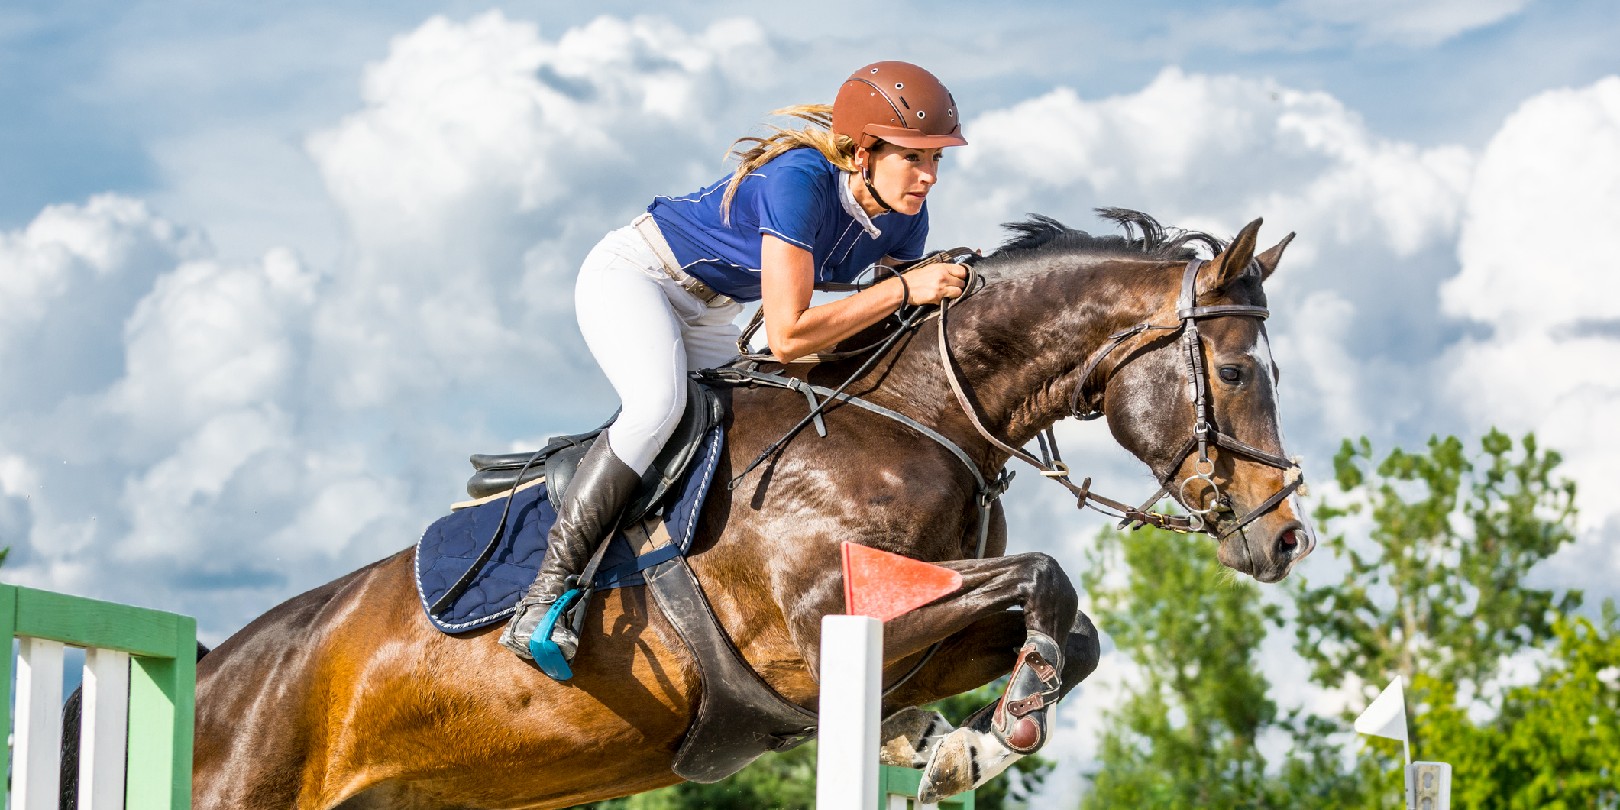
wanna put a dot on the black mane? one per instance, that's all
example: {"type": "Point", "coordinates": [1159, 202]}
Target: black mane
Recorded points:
{"type": "Point", "coordinates": [1144, 238]}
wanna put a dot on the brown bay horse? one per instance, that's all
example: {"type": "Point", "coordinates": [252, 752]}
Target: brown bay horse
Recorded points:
{"type": "Point", "coordinates": [346, 697]}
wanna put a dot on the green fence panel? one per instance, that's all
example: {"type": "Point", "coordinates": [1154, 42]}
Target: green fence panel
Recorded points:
{"type": "Point", "coordinates": [905, 781]}
{"type": "Point", "coordinates": [162, 684]}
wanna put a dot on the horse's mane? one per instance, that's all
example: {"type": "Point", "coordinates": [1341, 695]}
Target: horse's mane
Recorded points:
{"type": "Point", "coordinates": [1144, 238]}
{"type": "Point", "coordinates": [1041, 237]}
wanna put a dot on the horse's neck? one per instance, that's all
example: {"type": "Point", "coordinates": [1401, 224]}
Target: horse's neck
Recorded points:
{"type": "Point", "coordinates": [1022, 347]}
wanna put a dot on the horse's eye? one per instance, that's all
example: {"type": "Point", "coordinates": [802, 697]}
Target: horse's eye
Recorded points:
{"type": "Point", "coordinates": [1230, 374]}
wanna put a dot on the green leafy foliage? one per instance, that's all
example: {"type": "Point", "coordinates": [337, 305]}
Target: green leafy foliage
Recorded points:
{"type": "Point", "coordinates": [1438, 547]}
{"type": "Point", "coordinates": [1554, 743]}
{"type": "Point", "coordinates": [1185, 733]}
{"type": "Point", "coordinates": [1436, 595]}
{"type": "Point", "coordinates": [1440, 587]}
{"type": "Point", "coordinates": [1439, 590]}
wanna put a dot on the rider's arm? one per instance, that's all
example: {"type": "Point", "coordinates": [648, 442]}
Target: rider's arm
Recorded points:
{"type": "Point", "coordinates": [794, 329]}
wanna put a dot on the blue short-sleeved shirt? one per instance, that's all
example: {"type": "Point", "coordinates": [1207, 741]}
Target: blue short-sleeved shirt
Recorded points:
{"type": "Point", "coordinates": [795, 198]}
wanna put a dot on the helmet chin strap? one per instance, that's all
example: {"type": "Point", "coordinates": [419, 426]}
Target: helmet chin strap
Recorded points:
{"type": "Point", "coordinates": [866, 177]}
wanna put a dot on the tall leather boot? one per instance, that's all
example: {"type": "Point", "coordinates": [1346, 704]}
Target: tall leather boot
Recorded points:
{"type": "Point", "coordinates": [599, 490]}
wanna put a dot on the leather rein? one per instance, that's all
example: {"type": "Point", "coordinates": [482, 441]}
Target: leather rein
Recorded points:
{"type": "Point", "coordinates": [1204, 433]}
{"type": "Point", "coordinates": [1051, 465]}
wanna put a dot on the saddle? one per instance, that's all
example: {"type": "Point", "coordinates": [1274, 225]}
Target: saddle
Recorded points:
{"type": "Point", "coordinates": [498, 474]}
{"type": "Point", "coordinates": [739, 716]}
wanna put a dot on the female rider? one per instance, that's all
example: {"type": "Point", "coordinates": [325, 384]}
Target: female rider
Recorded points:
{"type": "Point", "coordinates": [660, 296]}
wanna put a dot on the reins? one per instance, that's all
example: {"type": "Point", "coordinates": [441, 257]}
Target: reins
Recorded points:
{"type": "Point", "coordinates": [1204, 429]}
{"type": "Point", "coordinates": [1051, 466]}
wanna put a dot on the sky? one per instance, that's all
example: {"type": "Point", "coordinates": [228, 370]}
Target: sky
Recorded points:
{"type": "Point", "coordinates": [269, 273]}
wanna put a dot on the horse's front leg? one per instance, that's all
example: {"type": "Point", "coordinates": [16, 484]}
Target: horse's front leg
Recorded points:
{"type": "Point", "coordinates": [967, 660]}
{"type": "Point", "coordinates": [1043, 668]}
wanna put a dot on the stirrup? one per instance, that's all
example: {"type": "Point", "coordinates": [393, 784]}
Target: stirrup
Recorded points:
{"type": "Point", "coordinates": [547, 655]}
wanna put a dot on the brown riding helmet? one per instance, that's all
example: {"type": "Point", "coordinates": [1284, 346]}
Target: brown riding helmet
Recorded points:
{"type": "Point", "coordinates": [897, 102]}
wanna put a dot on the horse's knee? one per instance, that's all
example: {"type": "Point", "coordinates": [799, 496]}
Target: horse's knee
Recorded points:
{"type": "Point", "coordinates": [1043, 567]}
{"type": "Point", "coordinates": [1081, 652]}
{"type": "Point", "coordinates": [1051, 589]}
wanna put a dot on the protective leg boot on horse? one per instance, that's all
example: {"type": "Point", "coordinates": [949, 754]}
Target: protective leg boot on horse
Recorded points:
{"type": "Point", "coordinates": [1001, 733]}
{"type": "Point", "coordinates": [599, 491]}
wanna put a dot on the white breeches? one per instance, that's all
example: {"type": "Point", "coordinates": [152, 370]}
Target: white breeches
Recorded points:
{"type": "Point", "coordinates": [646, 333]}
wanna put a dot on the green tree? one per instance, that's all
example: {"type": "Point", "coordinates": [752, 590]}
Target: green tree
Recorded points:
{"type": "Point", "coordinates": [1554, 743]}
{"type": "Point", "coordinates": [1435, 590]}
{"type": "Point", "coordinates": [1184, 734]}
{"type": "Point", "coordinates": [787, 781]}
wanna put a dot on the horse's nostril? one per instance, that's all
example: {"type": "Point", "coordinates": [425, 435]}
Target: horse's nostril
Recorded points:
{"type": "Point", "coordinates": [1289, 540]}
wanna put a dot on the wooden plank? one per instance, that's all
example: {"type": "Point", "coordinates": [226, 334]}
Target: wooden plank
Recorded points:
{"type": "Point", "coordinates": [8, 624]}
{"type": "Point", "coordinates": [105, 732]}
{"type": "Point", "coordinates": [92, 623]}
{"type": "Point", "coordinates": [36, 777]}
{"type": "Point", "coordinates": [162, 718]}
{"type": "Point", "coordinates": [905, 782]}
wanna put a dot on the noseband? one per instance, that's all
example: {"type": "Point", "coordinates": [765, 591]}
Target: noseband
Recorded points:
{"type": "Point", "coordinates": [1204, 433]}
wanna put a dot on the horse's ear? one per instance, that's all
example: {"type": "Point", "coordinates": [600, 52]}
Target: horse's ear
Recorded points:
{"type": "Point", "coordinates": [1232, 262]}
{"type": "Point", "coordinates": [1269, 259]}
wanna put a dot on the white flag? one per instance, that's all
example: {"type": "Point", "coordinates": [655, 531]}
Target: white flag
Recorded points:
{"type": "Point", "coordinates": [1386, 717]}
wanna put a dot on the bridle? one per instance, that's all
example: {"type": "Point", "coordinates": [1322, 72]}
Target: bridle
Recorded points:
{"type": "Point", "coordinates": [1204, 433]}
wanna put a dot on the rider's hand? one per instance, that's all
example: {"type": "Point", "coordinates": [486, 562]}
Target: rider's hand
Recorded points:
{"type": "Point", "coordinates": [931, 283]}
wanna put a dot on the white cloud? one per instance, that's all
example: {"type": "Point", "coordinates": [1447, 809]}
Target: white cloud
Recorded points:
{"type": "Point", "coordinates": [1213, 151]}
{"type": "Point", "coordinates": [465, 121]}
{"type": "Point", "coordinates": [1375, 215]}
{"type": "Point", "coordinates": [1405, 23]}
{"type": "Point", "coordinates": [241, 430]}
{"type": "Point", "coordinates": [1319, 352]}
{"type": "Point", "coordinates": [1538, 272]}
{"type": "Point", "coordinates": [478, 140]}
{"type": "Point", "coordinates": [212, 337]}
{"type": "Point", "coordinates": [68, 280]}
{"type": "Point", "coordinates": [1533, 256]}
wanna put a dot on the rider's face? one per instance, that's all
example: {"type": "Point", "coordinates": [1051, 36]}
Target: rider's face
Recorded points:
{"type": "Point", "coordinates": [903, 176]}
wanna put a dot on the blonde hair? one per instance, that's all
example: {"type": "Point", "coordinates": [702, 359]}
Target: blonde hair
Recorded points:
{"type": "Point", "coordinates": [752, 152]}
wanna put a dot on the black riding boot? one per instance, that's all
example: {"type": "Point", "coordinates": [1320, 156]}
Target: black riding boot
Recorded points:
{"type": "Point", "coordinates": [599, 490]}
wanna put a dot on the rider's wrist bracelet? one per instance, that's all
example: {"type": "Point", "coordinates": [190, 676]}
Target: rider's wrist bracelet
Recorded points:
{"type": "Point", "coordinates": [905, 291]}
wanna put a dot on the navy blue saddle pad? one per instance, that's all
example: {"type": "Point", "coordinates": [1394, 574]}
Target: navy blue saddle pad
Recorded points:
{"type": "Point", "coordinates": [452, 544]}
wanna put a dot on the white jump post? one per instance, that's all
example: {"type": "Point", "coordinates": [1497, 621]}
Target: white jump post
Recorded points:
{"type": "Point", "coordinates": [851, 683]}
{"type": "Point", "coordinates": [35, 777]}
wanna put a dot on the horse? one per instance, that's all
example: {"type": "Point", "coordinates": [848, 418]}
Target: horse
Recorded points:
{"type": "Point", "coordinates": [346, 697]}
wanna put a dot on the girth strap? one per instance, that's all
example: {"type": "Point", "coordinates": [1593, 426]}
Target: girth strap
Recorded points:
{"type": "Point", "coordinates": [738, 716]}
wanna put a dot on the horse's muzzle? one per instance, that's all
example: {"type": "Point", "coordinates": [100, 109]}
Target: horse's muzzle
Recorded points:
{"type": "Point", "coordinates": [1291, 544]}
{"type": "Point", "coordinates": [1265, 553]}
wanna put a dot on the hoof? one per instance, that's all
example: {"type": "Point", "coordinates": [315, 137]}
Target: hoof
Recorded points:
{"type": "Point", "coordinates": [910, 737]}
{"type": "Point", "coordinates": [951, 768]}
{"type": "Point", "coordinates": [964, 760]}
